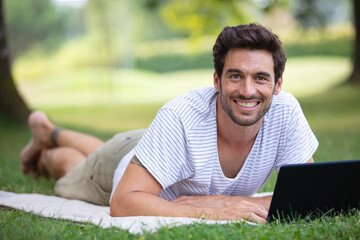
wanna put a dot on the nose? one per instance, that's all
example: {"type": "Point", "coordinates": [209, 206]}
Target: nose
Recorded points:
{"type": "Point", "coordinates": [247, 88]}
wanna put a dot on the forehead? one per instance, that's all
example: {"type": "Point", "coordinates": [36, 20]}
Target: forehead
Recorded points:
{"type": "Point", "coordinates": [249, 60]}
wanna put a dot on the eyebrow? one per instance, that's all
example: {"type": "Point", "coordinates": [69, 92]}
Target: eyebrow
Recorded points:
{"type": "Point", "coordinates": [263, 74]}
{"type": "Point", "coordinates": [235, 70]}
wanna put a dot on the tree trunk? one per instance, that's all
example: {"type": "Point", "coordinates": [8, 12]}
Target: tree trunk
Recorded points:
{"type": "Point", "coordinates": [355, 75]}
{"type": "Point", "coordinates": [12, 105]}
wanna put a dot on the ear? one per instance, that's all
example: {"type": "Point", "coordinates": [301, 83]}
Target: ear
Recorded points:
{"type": "Point", "coordinates": [216, 81]}
{"type": "Point", "coordinates": [278, 86]}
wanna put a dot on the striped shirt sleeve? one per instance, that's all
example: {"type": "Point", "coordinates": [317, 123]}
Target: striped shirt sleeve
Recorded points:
{"type": "Point", "coordinates": [162, 149]}
{"type": "Point", "coordinates": [300, 142]}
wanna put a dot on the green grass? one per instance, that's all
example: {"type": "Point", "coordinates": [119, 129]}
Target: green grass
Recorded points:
{"type": "Point", "coordinates": [21, 225]}
{"type": "Point", "coordinates": [334, 115]}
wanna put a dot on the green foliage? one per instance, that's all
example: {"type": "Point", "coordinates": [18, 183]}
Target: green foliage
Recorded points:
{"type": "Point", "coordinates": [103, 32]}
{"type": "Point", "coordinates": [33, 23]}
{"type": "Point", "coordinates": [197, 18]}
{"type": "Point", "coordinates": [148, 24]}
{"type": "Point", "coordinates": [320, 13]}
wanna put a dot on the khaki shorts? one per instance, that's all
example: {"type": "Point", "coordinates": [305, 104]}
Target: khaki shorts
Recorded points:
{"type": "Point", "coordinates": [92, 179]}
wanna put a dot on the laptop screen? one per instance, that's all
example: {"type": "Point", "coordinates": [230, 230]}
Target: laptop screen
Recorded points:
{"type": "Point", "coordinates": [312, 190]}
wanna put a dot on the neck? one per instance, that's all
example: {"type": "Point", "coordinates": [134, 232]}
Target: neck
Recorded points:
{"type": "Point", "coordinates": [233, 133]}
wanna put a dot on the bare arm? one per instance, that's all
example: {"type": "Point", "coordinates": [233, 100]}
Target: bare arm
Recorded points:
{"type": "Point", "coordinates": [136, 195]}
{"type": "Point", "coordinates": [219, 201]}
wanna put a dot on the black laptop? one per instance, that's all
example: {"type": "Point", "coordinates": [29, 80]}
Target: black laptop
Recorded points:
{"type": "Point", "coordinates": [312, 190]}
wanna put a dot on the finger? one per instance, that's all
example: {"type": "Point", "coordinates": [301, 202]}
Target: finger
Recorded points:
{"type": "Point", "coordinates": [261, 211]}
{"type": "Point", "coordinates": [258, 209]}
{"type": "Point", "coordinates": [253, 217]}
{"type": "Point", "coordinates": [258, 212]}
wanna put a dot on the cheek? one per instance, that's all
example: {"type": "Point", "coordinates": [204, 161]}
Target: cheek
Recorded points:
{"type": "Point", "coordinates": [266, 90]}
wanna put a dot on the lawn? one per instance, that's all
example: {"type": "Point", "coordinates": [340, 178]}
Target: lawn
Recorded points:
{"type": "Point", "coordinates": [333, 113]}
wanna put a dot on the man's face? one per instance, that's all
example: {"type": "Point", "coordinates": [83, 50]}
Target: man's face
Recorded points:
{"type": "Point", "coordinates": [247, 85]}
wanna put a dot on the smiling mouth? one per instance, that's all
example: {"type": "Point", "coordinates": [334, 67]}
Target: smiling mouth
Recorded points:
{"type": "Point", "coordinates": [247, 104]}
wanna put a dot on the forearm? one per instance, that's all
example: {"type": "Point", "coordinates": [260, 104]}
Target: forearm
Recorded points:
{"type": "Point", "coordinates": [216, 201]}
{"type": "Point", "coordinates": [145, 204]}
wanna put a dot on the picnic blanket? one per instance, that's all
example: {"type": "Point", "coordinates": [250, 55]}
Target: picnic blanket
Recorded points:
{"type": "Point", "coordinates": [80, 211]}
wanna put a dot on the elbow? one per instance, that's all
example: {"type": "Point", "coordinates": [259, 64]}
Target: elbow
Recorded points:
{"type": "Point", "coordinates": [116, 208]}
{"type": "Point", "coordinates": [113, 210]}
{"type": "Point", "coordinates": [121, 205]}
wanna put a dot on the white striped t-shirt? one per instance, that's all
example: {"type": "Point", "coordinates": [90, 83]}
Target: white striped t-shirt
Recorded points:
{"type": "Point", "coordinates": [180, 146]}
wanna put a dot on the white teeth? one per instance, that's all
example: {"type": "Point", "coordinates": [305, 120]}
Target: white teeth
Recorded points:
{"type": "Point", "coordinates": [247, 105]}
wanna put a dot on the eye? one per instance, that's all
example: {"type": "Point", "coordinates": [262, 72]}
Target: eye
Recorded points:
{"type": "Point", "coordinates": [235, 76]}
{"type": "Point", "coordinates": [261, 78]}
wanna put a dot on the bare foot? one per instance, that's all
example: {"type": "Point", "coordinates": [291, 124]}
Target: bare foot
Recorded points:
{"type": "Point", "coordinates": [41, 129]}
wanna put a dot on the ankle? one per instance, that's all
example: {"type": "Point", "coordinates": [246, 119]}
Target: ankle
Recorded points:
{"type": "Point", "coordinates": [54, 136]}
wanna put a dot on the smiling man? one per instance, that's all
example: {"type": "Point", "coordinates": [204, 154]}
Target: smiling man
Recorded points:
{"type": "Point", "coordinates": [206, 152]}
{"type": "Point", "coordinates": [249, 83]}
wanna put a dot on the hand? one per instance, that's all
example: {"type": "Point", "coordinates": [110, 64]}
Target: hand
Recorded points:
{"type": "Point", "coordinates": [245, 210]}
{"type": "Point", "coordinates": [227, 207]}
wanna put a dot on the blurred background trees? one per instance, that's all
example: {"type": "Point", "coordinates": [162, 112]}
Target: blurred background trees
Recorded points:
{"type": "Point", "coordinates": [34, 24]}
{"type": "Point", "coordinates": [11, 104]}
{"type": "Point", "coordinates": [355, 75]}
{"type": "Point", "coordinates": [92, 42]}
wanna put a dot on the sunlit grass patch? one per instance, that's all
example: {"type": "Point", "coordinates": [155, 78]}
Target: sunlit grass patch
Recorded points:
{"type": "Point", "coordinates": [79, 87]}
{"type": "Point", "coordinates": [108, 119]}
{"type": "Point", "coordinates": [96, 86]}
{"type": "Point", "coordinates": [305, 76]}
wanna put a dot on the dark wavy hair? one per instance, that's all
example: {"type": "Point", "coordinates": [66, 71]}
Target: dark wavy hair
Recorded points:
{"type": "Point", "coordinates": [251, 36]}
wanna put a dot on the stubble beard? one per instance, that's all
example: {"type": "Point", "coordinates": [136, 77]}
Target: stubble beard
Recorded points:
{"type": "Point", "coordinates": [241, 121]}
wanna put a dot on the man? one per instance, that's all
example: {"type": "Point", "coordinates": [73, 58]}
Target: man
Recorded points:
{"type": "Point", "coordinates": [204, 155]}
